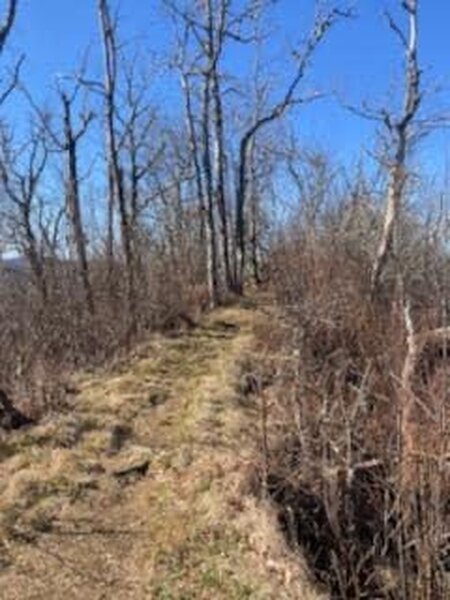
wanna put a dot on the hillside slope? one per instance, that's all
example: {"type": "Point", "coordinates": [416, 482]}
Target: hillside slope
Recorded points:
{"type": "Point", "coordinates": [140, 490]}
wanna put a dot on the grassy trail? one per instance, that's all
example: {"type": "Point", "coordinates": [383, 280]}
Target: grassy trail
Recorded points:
{"type": "Point", "coordinates": [140, 490]}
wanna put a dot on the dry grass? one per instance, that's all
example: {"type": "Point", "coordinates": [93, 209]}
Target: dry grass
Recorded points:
{"type": "Point", "coordinates": [188, 528]}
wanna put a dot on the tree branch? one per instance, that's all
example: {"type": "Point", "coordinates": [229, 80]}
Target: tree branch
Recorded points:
{"type": "Point", "coordinates": [8, 22]}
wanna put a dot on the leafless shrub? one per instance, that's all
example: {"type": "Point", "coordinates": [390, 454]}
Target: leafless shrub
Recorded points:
{"type": "Point", "coordinates": [358, 430]}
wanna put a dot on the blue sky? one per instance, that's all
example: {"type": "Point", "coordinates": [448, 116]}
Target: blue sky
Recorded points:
{"type": "Point", "coordinates": [359, 60]}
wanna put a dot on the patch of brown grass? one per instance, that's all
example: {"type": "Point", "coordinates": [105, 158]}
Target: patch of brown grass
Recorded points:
{"type": "Point", "coordinates": [189, 527]}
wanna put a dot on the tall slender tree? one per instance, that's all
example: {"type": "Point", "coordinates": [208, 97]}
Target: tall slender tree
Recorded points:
{"type": "Point", "coordinates": [117, 192]}
{"type": "Point", "coordinates": [400, 129]}
{"type": "Point", "coordinates": [69, 146]}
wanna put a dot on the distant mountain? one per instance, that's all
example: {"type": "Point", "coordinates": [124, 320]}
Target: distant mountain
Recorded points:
{"type": "Point", "coordinates": [17, 263]}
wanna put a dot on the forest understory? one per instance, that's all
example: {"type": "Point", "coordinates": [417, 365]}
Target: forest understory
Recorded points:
{"type": "Point", "coordinates": [243, 456]}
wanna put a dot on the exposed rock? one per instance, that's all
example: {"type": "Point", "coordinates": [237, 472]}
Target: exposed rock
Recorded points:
{"type": "Point", "coordinates": [133, 464]}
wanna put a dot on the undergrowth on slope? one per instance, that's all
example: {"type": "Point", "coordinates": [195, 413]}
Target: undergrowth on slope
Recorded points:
{"type": "Point", "coordinates": [359, 474]}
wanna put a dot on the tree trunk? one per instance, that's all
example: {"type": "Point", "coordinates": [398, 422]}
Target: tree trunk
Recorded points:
{"type": "Point", "coordinates": [400, 130]}
{"type": "Point", "coordinates": [195, 155]}
{"type": "Point", "coordinates": [220, 179]}
{"type": "Point", "coordinates": [211, 242]}
{"type": "Point", "coordinates": [114, 166]}
{"type": "Point", "coordinates": [31, 249]}
{"type": "Point", "coordinates": [254, 217]}
{"type": "Point", "coordinates": [240, 229]}
{"type": "Point", "coordinates": [8, 21]}
{"type": "Point", "coordinates": [73, 205]}
{"type": "Point", "coordinates": [110, 234]}
{"type": "Point", "coordinates": [391, 217]}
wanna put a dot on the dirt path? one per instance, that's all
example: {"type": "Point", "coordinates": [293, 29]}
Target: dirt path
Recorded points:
{"type": "Point", "coordinates": [140, 491]}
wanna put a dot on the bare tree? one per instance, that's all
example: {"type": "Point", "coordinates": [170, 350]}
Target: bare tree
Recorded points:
{"type": "Point", "coordinates": [207, 33]}
{"type": "Point", "coordinates": [216, 36]}
{"type": "Point", "coordinates": [117, 192]}
{"type": "Point", "coordinates": [140, 152]}
{"type": "Point", "coordinates": [69, 146]}
{"type": "Point", "coordinates": [67, 143]}
{"type": "Point", "coordinates": [20, 174]}
{"type": "Point", "coordinates": [289, 98]}
{"type": "Point", "coordinates": [5, 30]}
{"type": "Point", "coordinates": [196, 162]}
{"type": "Point", "coordinates": [400, 131]}
{"type": "Point", "coordinates": [200, 143]}
{"type": "Point", "coordinates": [207, 139]}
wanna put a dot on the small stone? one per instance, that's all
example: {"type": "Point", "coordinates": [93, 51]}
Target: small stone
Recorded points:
{"type": "Point", "coordinates": [132, 465]}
